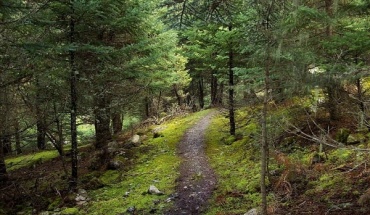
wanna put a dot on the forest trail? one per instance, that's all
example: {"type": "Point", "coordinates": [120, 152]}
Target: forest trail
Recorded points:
{"type": "Point", "coordinates": [197, 180]}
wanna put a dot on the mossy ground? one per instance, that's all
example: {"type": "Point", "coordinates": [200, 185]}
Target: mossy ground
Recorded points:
{"type": "Point", "coordinates": [156, 163]}
{"type": "Point", "coordinates": [236, 163]}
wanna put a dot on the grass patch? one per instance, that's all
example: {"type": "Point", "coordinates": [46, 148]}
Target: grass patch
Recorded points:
{"type": "Point", "coordinates": [156, 164]}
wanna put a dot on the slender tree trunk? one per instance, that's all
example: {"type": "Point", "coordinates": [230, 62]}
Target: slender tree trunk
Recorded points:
{"type": "Point", "coordinates": [7, 143]}
{"type": "Point", "coordinates": [265, 146]}
{"type": "Point", "coordinates": [178, 97]}
{"type": "Point", "coordinates": [40, 118]}
{"type": "Point", "coordinates": [117, 122]}
{"type": "Point", "coordinates": [41, 133]}
{"type": "Point", "coordinates": [3, 124]}
{"type": "Point", "coordinates": [3, 173]}
{"type": "Point", "coordinates": [332, 87]}
{"type": "Point", "coordinates": [201, 93]}
{"type": "Point", "coordinates": [147, 107]}
{"type": "Point", "coordinates": [17, 138]}
{"type": "Point", "coordinates": [182, 13]}
{"type": "Point", "coordinates": [214, 90]}
{"type": "Point", "coordinates": [102, 123]}
{"type": "Point", "coordinates": [332, 90]}
{"type": "Point", "coordinates": [221, 93]}
{"type": "Point", "coordinates": [231, 89]}
{"type": "Point", "coordinates": [73, 92]}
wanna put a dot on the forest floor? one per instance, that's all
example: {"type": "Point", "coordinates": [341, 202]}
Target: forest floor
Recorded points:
{"type": "Point", "coordinates": [197, 179]}
{"type": "Point", "coordinates": [201, 169]}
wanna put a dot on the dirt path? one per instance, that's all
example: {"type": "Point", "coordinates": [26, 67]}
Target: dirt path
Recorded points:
{"type": "Point", "coordinates": [197, 179]}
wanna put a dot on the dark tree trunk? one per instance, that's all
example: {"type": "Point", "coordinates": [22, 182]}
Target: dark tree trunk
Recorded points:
{"type": "Point", "coordinates": [17, 138]}
{"type": "Point", "coordinates": [41, 132]}
{"type": "Point", "coordinates": [102, 123]}
{"type": "Point", "coordinates": [73, 92]}
{"type": "Point", "coordinates": [40, 118]}
{"type": "Point", "coordinates": [332, 105]}
{"type": "Point", "coordinates": [201, 93]}
{"type": "Point", "coordinates": [265, 145]}
{"type": "Point", "coordinates": [3, 173]}
{"type": "Point", "coordinates": [3, 126]}
{"type": "Point", "coordinates": [178, 97]}
{"type": "Point", "coordinates": [147, 107]}
{"type": "Point", "coordinates": [117, 122]}
{"type": "Point", "coordinates": [6, 142]}
{"type": "Point", "coordinates": [221, 93]}
{"type": "Point", "coordinates": [214, 90]}
{"type": "Point", "coordinates": [231, 89]}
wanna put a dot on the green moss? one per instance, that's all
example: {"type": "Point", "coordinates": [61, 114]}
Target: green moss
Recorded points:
{"type": "Point", "coordinates": [70, 211]}
{"type": "Point", "coordinates": [110, 177]}
{"type": "Point", "coordinates": [341, 156]}
{"type": "Point", "coordinates": [238, 173]}
{"type": "Point", "coordinates": [30, 159]}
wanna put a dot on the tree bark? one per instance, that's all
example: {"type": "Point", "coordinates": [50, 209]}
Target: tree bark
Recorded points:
{"type": "Point", "coordinates": [102, 123]}
{"type": "Point", "coordinates": [17, 138]}
{"type": "Point", "coordinates": [178, 97]}
{"type": "Point", "coordinates": [3, 172]}
{"type": "Point", "coordinates": [41, 133]}
{"type": "Point", "coordinates": [265, 146]}
{"type": "Point", "coordinates": [214, 90]}
{"type": "Point", "coordinates": [332, 105]}
{"type": "Point", "coordinates": [6, 142]}
{"type": "Point", "coordinates": [40, 118]}
{"type": "Point", "coordinates": [117, 122]}
{"type": "Point", "coordinates": [73, 95]}
{"type": "Point", "coordinates": [3, 125]}
{"type": "Point", "coordinates": [231, 89]}
{"type": "Point", "coordinates": [201, 92]}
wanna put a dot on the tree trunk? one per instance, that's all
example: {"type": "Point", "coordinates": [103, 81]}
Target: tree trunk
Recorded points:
{"type": "Point", "coordinates": [178, 97]}
{"type": "Point", "coordinates": [6, 142]}
{"type": "Point", "coordinates": [117, 122]}
{"type": "Point", "coordinates": [102, 123]}
{"type": "Point", "coordinates": [41, 133]}
{"type": "Point", "coordinates": [3, 173]}
{"type": "Point", "coordinates": [231, 89]}
{"type": "Point", "coordinates": [40, 118]}
{"type": "Point", "coordinates": [3, 125]}
{"type": "Point", "coordinates": [17, 138]}
{"type": "Point", "coordinates": [265, 146]}
{"type": "Point", "coordinates": [214, 90]}
{"type": "Point", "coordinates": [201, 93]}
{"type": "Point", "coordinates": [332, 105]}
{"type": "Point", "coordinates": [221, 93]}
{"type": "Point", "coordinates": [147, 107]}
{"type": "Point", "coordinates": [73, 92]}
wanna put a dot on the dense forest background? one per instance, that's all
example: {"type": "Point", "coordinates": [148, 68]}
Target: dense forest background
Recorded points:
{"type": "Point", "coordinates": [75, 69]}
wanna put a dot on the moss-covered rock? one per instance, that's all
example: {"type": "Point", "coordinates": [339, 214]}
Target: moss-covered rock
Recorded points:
{"type": "Point", "coordinates": [356, 138]}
